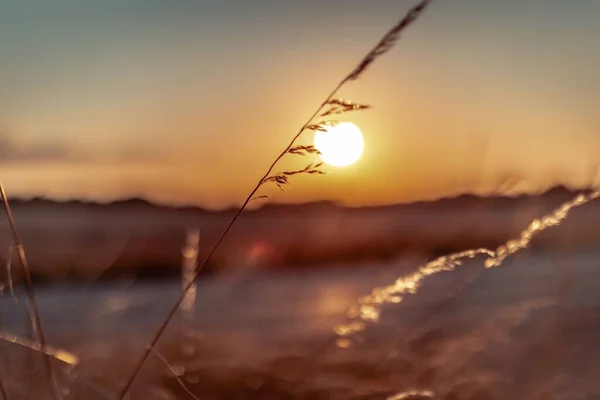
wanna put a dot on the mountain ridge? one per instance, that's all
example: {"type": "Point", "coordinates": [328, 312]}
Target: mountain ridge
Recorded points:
{"type": "Point", "coordinates": [140, 202]}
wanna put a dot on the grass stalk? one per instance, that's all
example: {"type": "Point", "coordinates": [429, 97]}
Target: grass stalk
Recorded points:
{"type": "Point", "coordinates": [382, 47]}
{"type": "Point", "coordinates": [32, 307]}
{"type": "Point", "coordinates": [3, 394]}
{"type": "Point", "coordinates": [52, 352]}
{"type": "Point", "coordinates": [167, 364]}
{"type": "Point", "coordinates": [2, 387]}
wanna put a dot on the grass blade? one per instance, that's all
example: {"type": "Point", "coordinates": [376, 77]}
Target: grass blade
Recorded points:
{"type": "Point", "coordinates": [32, 306]}
{"type": "Point", "coordinates": [382, 47]}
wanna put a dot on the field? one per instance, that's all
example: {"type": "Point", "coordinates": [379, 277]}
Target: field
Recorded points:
{"type": "Point", "coordinates": [135, 240]}
{"type": "Point", "coordinates": [526, 330]}
{"type": "Point", "coordinates": [399, 291]}
{"type": "Point", "coordinates": [263, 328]}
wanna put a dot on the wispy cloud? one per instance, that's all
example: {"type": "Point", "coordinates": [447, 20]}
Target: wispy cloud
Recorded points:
{"type": "Point", "coordinates": [13, 152]}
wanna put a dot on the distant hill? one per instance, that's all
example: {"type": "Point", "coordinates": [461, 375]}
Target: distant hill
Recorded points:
{"type": "Point", "coordinates": [557, 192]}
{"type": "Point", "coordinates": [135, 237]}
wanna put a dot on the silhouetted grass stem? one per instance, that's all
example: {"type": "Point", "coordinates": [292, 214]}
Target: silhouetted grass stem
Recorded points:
{"type": "Point", "coordinates": [32, 306]}
{"type": "Point", "coordinates": [382, 47]}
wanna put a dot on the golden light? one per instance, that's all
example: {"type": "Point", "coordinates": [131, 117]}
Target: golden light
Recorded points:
{"type": "Point", "coordinates": [341, 144]}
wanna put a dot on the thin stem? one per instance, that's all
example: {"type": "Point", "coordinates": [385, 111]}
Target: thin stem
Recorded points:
{"type": "Point", "coordinates": [177, 378]}
{"type": "Point", "coordinates": [181, 298]}
{"type": "Point", "coordinates": [52, 352]}
{"type": "Point", "coordinates": [32, 306]}
{"type": "Point", "coordinates": [376, 51]}
{"type": "Point", "coordinates": [11, 287]}
{"type": "Point", "coordinates": [3, 390]}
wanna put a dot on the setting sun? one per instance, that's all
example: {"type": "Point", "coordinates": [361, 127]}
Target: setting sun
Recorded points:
{"type": "Point", "coordinates": [341, 145]}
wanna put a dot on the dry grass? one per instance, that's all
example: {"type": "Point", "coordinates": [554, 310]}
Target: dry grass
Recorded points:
{"type": "Point", "coordinates": [283, 178]}
{"type": "Point", "coordinates": [413, 393]}
{"type": "Point", "coordinates": [2, 389]}
{"type": "Point", "coordinates": [175, 374]}
{"type": "Point", "coordinates": [330, 106]}
{"type": "Point", "coordinates": [369, 306]}
{"type": "Point", "coordinates": [32, 306]}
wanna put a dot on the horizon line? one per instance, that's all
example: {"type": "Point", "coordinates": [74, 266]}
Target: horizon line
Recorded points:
{"type": "Point", "coordinates": [141, 200]}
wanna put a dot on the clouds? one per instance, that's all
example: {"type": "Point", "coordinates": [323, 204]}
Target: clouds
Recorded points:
{"type": "Point", "coordinates": [13, 152]}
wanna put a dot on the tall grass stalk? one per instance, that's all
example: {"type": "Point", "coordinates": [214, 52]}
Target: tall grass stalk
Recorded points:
{"type": "Point", "coordinates": [413, 394]}
{"type": "Point", "coordinates": [32, 307]}
{"type": "Point", "coordinates": [189, 265]}
{"type": "Point", "coordinates": [3, 395]}
{"type": "Point", "coordinates": [176, 375]}
{"type": "Point", "coordinates": [61, 355]}
{"type": "Point", "coordinates": [330, 106]}
{"type": "Point", "coordinates": [369, 307]}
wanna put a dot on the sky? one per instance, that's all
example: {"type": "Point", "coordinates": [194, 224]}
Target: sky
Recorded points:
{"type": "Point", "coordinates": [189, 101]}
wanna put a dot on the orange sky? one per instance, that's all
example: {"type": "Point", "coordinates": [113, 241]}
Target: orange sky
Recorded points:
{"type": "Point", "coordinates": [190, 103]}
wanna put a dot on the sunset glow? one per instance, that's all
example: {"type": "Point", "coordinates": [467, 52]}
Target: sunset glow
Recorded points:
{"type": "Point", "coordinates": [88, 115]}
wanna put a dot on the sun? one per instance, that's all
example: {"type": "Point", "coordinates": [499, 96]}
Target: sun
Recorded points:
{"type": "Point", "coordinates": [341, 144]}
